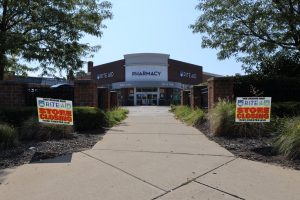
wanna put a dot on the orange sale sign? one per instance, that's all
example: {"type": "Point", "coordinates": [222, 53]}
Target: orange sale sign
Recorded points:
{"type": "Point", "coordinates": [253, 109]}
{"type": "Point", "coordinates": [55, 111]}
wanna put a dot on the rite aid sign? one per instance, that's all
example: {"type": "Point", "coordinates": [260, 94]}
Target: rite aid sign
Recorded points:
{"type": "Point", "coordinates": [146, 73]}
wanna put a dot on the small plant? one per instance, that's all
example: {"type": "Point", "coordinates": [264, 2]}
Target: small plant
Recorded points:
{"type": "Point", "coordinates": [115, 116]}
{"type": "Point", "coordinates": [88, 118]}
{"type": "Point", "coordinates": [34, 130]}
{"type": "Point", "coordinates": [16, 115]}
{"type": "Point", "coordinates": [286, 109]}
{"type": "Point", "coordinates": [188, 115]}
{"type": "Point", "coordinates": [222, 118]}
{"type": "Point", "coordinates": [8, 136]}
{"type": "Point", "coordinates": [288, 141]}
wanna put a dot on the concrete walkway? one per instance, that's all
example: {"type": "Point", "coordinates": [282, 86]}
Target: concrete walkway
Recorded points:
{"type": "Point", "coordinates": [150, 156]}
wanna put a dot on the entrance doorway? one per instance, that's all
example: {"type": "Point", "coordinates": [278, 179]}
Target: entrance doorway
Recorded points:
{"type": "Point", "coordinates": [146, 96]}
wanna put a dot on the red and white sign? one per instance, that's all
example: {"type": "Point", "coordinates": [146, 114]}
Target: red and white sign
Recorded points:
{"type": "Point", "coordinates": [55, 111]}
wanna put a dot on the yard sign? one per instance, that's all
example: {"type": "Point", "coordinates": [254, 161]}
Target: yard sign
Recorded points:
{"type": "Point", "coordinates": [253, 109]}
{"type": "Point", "coordinates": [55, 111]}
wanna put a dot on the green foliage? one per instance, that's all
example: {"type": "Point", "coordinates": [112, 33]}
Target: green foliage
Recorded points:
{"type": "Point", "coordinates": [288, 142]}
{"type": "Point", "coordinates": [282, 64]}
{"type": "Point", "coordinates": [88, 118]}
{"type": "Point", "coordinates": [50, 32]}
{"type": "Point", "coordinates": [115, 116]}
{"type": "Point", "coordinates": [34, 130]}
{"type": "Point", "coordinates": [16, 115]}
{"type": "Point", "coordinates": [8, 136]}
{"type": "Point", "coordinates": [188, 115]}
{"type": "Point", "coordinates": [222, 120]}
{"type": "Point", "coordinates": [281, 89]}
{"type": "Point", "coordinates": [255, 29]}
{"type": "Point", "coordinates": [286, 109]}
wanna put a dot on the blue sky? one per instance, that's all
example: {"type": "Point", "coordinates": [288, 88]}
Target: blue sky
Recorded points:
{"type": "Point", "coordinates": [157, 26]}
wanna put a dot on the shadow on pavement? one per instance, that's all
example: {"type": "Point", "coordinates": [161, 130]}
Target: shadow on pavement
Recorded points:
{"type": "Point", "coordinates": [41, 157]}
{"type": "Point", "coordinates": [3, 174]}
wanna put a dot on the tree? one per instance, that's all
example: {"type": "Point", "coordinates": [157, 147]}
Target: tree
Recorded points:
{"type": "Point", "coordinates": [279, 65]}
{"type": "Point", "coordinates": [49, 31]}
{"type": "Point", "coordinates": [250, 30]}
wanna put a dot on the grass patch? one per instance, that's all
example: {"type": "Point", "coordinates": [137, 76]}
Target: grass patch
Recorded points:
{"type": "Point", "coordinates": [115, 116]}
{"type": "Point", "coordinates": [8, 136]}
{"type": "Point", "coordinates": [188, 115]}
{"type": "Point", "coordinates": [288, 141]}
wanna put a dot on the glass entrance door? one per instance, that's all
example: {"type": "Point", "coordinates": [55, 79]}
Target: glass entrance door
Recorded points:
{"type": "Point", "coordinates": [146, 98]}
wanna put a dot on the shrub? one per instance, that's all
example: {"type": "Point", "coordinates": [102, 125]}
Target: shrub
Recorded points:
{"type": "Point", "coordinates": [188, 115]}
{"type": "Point", "coordinates": [8, 136]}
{"type": "Point", "coordinates": [88, 118]}
{"type": "Point", "coordinates": [288, 141]}
{"type": "Point", "coordinates": [115, 116]}
{"type": "Point", "coordinates": [222, 118]}
{"type": "Point", "coordinates": [286, 109]}
{"type": "Point", "coordinates": [222, 121]}
{"type": "Point", "coordinates": [34, 130]}
{"type": "Point", "coordinates": [17, 115]}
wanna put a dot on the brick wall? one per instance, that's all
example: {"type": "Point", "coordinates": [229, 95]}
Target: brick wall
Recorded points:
{"type": "Point", "coordinates": [185, 97]}
{"type": "Point", "coordinates": [113, 100]}
{"type": "Point", "coordinates": [196, 96]}
{"type": "Point", "coordinates": [219, 87]}
{"type": "Point", "coordinates": [12, 94]}
{"type": "Point", "coordinates": [104, 98]}
{"type": "Point", "coordinates": [85, 93]}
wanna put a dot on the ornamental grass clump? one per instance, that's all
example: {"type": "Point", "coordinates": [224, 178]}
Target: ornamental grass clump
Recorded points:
{"type": "Point", "coordinates": [115, 116]}
{"type": "Point", "coordinates": [222, 118]}
{"type": "Point", "coordinates": [8, 136]}
{"type": "Point", "coordinates": [188, 115]}
{"type": "Point", "coordinates": [288, 141]}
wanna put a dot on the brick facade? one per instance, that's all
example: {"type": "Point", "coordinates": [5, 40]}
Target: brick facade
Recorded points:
{"type": "Point", "coordinates": [85, 93]}
{"type": "Point", "coordinates": [12, 94]}
{"type": "Point", "coordinates": [185, 97]}
{"type": "Point", "coordinates": [221, 87]}
{"type": "Point", "coordinates": [196, 96]}
{"type": "Point", "coordinates": [113, 99]}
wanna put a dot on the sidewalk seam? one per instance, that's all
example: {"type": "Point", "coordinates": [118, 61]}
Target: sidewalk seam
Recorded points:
{"type": "Point", "coordinates": [164, 152]}
{"type": "Point", "coordinates": [124, 133]}
{"type": "Point", "coordinates": [193, 179]}
{"type": "Point", "coordinates": [99, 160]}
{"type": "Point", "coordinates": [233, 195]}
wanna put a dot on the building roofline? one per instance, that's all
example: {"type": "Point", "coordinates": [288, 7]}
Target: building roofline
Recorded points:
{"type": "Point", "coordinates": [211, 74]}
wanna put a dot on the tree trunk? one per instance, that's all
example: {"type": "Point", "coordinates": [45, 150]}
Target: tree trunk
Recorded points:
{"type": "Point", "coordinates": [2, 65]}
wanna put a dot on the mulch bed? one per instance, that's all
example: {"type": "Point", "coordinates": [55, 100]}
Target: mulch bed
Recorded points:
{"type": "Point", "coordinates": [257, 149]}
{"type": "Point", "coordinates": [33, 151]}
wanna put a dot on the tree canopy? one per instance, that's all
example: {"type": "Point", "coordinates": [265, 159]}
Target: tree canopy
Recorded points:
{"type": "Point", "coordinates": [49, 32]}
{"type": "Point", "coordinates": [250, 30]}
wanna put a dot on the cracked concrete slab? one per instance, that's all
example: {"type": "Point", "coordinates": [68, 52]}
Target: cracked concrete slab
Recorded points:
{"type": "Point", "coordinates": [194, 191]}
{"type": "Point", "coordinates": [82, 178]}
{"type": "Point", "coordinates": [163, 170]}
{"type": "Point", "coordinates": [196, 144]}
{"type": "Point", "coordinates": [254, 180]}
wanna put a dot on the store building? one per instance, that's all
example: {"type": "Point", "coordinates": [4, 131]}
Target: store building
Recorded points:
{"type": "Point", "coordinates": [146, 78]}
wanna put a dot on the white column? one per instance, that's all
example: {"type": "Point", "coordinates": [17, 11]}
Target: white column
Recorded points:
{"type": "Point", "coordinates": [158, 95]}
{"type": "Point", "coordinates": [134, 96]}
